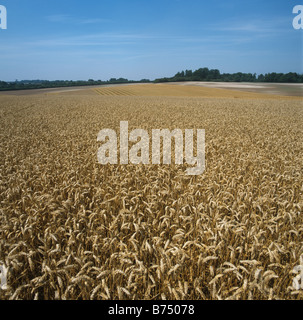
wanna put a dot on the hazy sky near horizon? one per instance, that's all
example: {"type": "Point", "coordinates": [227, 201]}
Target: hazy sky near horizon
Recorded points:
{"type": "Point", "coordinates": [135, 39]}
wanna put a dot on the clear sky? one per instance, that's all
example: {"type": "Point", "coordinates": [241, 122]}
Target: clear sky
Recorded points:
{"type": "Point", "coordinates": [135, 39]}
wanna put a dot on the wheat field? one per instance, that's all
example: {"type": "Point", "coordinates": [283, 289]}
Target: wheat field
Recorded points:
{"type": "Point", "coordinates": [72, 228]}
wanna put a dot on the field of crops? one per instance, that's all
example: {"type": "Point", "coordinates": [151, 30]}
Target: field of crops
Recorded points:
{"type": "Point", "coordinates": [177, 91]}
{"type": "Point", "coordinates": [72, 228]}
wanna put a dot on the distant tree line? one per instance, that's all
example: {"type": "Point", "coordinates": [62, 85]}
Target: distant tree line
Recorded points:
{"type": "Point", "coordinates": [202, 74]}
{"type": "Point", "coordinates": [205, 74]}
{"type": "Point", "coordinates": [42, 84]}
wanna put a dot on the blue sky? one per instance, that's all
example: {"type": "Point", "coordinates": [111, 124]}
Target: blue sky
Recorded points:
{"type": "Point", "coordinates": [135, 39]}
